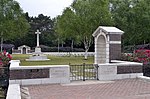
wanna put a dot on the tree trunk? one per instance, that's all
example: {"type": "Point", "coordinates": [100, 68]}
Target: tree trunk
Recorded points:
{"type": "Point", "coordinates": [87, 44]}
{"type": "Point", "coordinates": [86, 51]}
{"type": "Point", "coordinates": [62, 44]}
{"type": "Point", "coordinates": [86, 54]}
{"type": "Point", "coordinates": [58, 44]}
{"type": "Point", "coordinates": [1, 41]}
{"type": "Point", "coordinates": [72, 46]}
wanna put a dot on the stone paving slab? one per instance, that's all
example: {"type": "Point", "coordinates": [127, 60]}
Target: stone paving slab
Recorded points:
{"type": "Point", "coordinates": [119, 89]}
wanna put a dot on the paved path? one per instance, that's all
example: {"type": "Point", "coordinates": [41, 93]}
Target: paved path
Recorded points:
{"type": "Point", "coordinates": [120, 89]}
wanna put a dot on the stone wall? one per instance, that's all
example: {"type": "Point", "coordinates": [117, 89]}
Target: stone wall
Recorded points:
{"type": "Point", "coordinates": [47, 74]}
{"type": "Point", "coordinates": [119, 70]}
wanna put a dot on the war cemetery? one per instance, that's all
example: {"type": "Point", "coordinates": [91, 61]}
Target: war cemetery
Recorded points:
{"type": "Point", "coordinates": [95, 49]}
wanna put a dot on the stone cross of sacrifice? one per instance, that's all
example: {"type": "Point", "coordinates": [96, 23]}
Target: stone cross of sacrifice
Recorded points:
{"type": "Point", "coordinates": [38, 33]}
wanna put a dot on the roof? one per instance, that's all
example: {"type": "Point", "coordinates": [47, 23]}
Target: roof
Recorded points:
{"type": "Point", "coordinates": [108, 30]}
{"type": "Point", "coordinates": [7, 46]}
{"type": "Point", "coordinates": [23, 46]}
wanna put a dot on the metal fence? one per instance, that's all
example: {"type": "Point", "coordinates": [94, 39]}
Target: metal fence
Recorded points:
{"type": "Point", "coordinates": [84, 72]}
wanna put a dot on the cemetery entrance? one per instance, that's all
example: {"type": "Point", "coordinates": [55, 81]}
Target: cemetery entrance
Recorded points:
{"type": "Point", "coordinates": [84, 72]}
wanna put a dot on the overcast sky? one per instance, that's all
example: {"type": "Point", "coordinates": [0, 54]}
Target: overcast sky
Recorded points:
{"type": "Point", "coordinates": [50, 8]}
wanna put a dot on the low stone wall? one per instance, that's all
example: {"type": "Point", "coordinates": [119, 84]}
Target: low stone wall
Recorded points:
{"type": "Point", "coordinates": [47, 74]}
{"type": "Point", "coordinates": [120, 70]}
{"type": "Point", "coordinates": [29, 74]}
{"type": "Point", "coordinates": [129, 69]}
{"type": "Point", "coordinates": [13, 92]}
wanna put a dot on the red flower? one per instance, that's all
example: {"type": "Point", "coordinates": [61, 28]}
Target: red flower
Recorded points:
{"type": "Point", "coordinates": [4, 52]}
{"type": "Point", "coordinates": [9, 56]}
{"type": "Point", "coordinates": [5, 58]}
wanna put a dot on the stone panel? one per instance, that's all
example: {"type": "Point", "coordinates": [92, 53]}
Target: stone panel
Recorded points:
{"type": "Point", "coordinates": [58, 72]}
{"type": "Point", "coordinates": [101, 50]}
{"type": "Point", "coordinates": [115, 37]}
{"type": "Point", "coordinates": [29, 74]}
{"type": "Point", "coordinates": [115, 52]}
{"type": "Point", "coordinates": [129, 69]}
{"type": "Point", "coordinates": [107, 72]}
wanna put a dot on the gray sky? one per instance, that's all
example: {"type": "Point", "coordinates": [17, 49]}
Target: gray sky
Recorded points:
{"type": "Point", "coordinates": [50, 8]}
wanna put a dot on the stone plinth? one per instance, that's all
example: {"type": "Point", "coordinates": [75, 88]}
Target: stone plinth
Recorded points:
{"type": "Point", "coordinates": [37, 50]}
{"type": "Point", "coordinates": [37, 58]}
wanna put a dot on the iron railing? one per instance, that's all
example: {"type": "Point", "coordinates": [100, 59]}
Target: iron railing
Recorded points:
{"type": "Point", "coordinates": [84, 72]}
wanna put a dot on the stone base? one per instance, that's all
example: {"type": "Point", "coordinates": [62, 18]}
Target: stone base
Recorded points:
{"type": "Point", "coordinates": [119, 70]}
{"type": "Point", "coordinates": [37, 58]}
{"type": "Point", "coordinates": [37, 55]}
{"type": "Point", "coordinates": [37, 50]}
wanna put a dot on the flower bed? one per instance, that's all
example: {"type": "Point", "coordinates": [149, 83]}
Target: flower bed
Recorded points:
{"type": "Point", "coordinates": [4, 71]}
{"type": "Point", "coordinates": [4, 59]}
{"type": "Point", "coordinates": [140, 55]}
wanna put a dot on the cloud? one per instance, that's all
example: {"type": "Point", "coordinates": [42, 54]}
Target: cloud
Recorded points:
{"type": "Point", "coordinates": [47, 7]}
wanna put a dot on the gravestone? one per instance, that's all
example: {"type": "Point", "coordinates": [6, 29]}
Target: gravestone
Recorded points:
{"type": "Point", "coordinates": [107, 44]}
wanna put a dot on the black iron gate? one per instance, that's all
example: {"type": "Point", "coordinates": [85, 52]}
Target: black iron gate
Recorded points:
{"type": "Point", "coordinates": [84, 72]}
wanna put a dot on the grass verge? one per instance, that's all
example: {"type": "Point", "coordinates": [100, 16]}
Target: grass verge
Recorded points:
{"type": "Point", "coordinates": [54, 60]}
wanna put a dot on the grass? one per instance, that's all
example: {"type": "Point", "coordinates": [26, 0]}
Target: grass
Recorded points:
{"type": "Point", "coordinates": [54, 60]}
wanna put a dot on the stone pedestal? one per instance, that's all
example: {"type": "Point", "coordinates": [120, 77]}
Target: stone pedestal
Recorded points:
{"type": "Point", "coordinates": [37, 50]}
{"type": "Point", "coordinates": [37, 56]}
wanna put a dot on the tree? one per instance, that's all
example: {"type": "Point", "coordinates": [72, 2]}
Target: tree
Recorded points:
{"type": "Point", "coordinates": [68, 33]}
{"type": "Point", "coordinates": [133, 17]}
{"type": "Point", "coordinates": [82, 18]}
{"type": "Point", "coordinates": [45, 25]}
{"type": "Point", "coordinates": [12, 21]}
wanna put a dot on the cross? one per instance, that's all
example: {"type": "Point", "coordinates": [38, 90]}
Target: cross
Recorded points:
{"type": "Point", "coordinates": [38, 33]}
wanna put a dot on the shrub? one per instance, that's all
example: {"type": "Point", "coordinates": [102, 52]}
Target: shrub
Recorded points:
{"type": "Point", "coordinates": [5, 58]}
{"type": "Point", "coordinates": [140, 55]}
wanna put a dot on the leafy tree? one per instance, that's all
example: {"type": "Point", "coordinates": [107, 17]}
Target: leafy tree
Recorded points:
{"type": "Point", "coordinates": [64, 21]}
{"type": "Point", "coordinates": [81, 19]}
{"type": "Point", "coordinates": [45, 26]}
{"type": "Point", "coordinates": [133, 17]}
{"type": "Point", "coordinates": [12, 21]}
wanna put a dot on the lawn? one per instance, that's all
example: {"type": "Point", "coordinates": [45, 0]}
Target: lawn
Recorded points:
{"type": "Point", "coordinates": [54, 60]}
